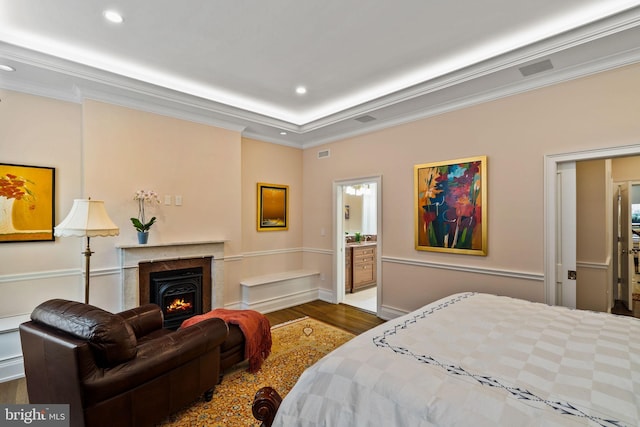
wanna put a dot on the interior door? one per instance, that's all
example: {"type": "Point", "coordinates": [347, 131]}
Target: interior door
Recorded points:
{"type": "Point", "coordinates": [626, 251]}
{"type": "Point", "coordinates": [566, 251]}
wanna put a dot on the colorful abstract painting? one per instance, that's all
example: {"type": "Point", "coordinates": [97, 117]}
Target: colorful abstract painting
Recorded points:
{"type": "Point", "coordinates": [451, 206]}
{"type": "Point", "coordinates": [27, 195]}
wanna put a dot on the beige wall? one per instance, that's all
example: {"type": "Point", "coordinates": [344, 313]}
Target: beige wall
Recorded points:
{"type": "Point", "coordinates": [594, 235]}
{"type": "Point", "coordinates": [41, 132]}
{"type": "Point", "coordinates": [107, 152]}
{"type": "Point", "coordinates": [127, 150]}
{"type": "Point", "coordinates": [266, 252]}
{"type": "Point", "coordinates": [515, 133]}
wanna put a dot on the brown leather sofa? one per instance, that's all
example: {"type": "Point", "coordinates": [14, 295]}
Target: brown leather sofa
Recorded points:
{"type": "Point", "coordinates": [117, 369]}
{"type": "Point", "coordinates": [232, 349]}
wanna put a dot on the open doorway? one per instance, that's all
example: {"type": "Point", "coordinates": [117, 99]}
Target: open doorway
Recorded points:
{"type": "Point", "coordinates": [558, 259]}
{"type": "Point", "coordinates": [358, 243]}
{"type": "Point", "coordinates": [626, 226]}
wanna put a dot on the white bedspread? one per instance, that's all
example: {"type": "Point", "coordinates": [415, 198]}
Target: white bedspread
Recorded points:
{"type": "Point", "coordinates": [477, 360]}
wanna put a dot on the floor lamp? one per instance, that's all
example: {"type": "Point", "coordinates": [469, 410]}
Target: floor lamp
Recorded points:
{"type": "Point", "coordinates": [87, 218]}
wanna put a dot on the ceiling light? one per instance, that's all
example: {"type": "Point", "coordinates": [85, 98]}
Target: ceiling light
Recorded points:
{"type": "Point", "coordinates": [4, 67]}
{"type": "Point", "coordinates": [301, 90]}
{"type": "Point", "coordinates": [113, 16]}
{"type": "Point", "coordinates": [283, 133]}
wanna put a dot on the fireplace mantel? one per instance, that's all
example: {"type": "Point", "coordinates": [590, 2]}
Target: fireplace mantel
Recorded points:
{"type": "Point", "coordinates": [132, 255]}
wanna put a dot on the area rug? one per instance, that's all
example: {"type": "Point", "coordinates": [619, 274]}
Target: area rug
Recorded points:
{"type": "Point", "coordinates": [296, 346]}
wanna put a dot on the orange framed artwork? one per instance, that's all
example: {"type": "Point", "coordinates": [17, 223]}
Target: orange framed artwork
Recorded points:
{"type": "Point", "coordinates": [273, 207]}
{"type": "Point", "coordinates": [27, 197]}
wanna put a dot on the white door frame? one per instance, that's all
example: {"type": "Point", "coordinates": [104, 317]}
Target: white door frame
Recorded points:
{"type": "Point", "coordinates": [339, 241]}
{"type": "Point", "coordinates": [552, 239]}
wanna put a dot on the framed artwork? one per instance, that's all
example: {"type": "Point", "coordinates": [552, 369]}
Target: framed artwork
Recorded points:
{"type": "Point", "coordinates": [273, 207]}
{"type": "Point", "coordinates": [451, 206]}
{"type": "Point", "coordinates": [27, 203]}
{"type": "Point", "coordinates": [347, 213]}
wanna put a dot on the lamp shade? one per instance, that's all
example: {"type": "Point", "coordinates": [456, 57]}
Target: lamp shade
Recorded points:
{"type": "Point", "coordinates": [87, 218]}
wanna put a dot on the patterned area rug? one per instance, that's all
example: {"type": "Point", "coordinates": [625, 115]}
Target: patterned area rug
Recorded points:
{"type": "Point", "coordinates": [296, 346]}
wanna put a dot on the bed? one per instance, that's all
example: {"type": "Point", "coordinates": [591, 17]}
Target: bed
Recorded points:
{"type": "Point", "coordinates": [473, 359]}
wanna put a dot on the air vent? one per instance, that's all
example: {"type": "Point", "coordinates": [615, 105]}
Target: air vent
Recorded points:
{"type": "Point", "coordinates": [365, 119]}
{"type": "Point", "coordinates": [324, 154]}
{"type": "Point", "coordinates": [536, 68]}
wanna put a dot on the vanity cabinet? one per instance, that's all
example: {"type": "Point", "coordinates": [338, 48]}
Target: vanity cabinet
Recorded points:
{"type": "Point", "coordinates": [347, 270]}
{"type": "Point", "coordinates": [362, 267]}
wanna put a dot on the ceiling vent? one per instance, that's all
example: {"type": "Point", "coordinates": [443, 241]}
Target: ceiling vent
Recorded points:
{"type": "Point", "coordinates": [365, 119]}
{"type": "Point", "coordinates": [324, 154]}
{"type": "Point", "coordinates": [536, 67]}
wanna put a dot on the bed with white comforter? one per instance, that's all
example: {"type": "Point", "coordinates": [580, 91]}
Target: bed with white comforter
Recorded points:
{"type": "Point", "coordinates": [477, 360]}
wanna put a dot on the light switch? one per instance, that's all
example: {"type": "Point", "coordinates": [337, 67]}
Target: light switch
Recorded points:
{"type": "Point", "coordinates": [167, 200]}
{"type": "Point", "coordinates": [178, 200]}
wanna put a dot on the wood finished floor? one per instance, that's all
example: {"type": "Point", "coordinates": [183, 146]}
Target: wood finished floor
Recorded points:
{"type": "Point", "coordinates": [349, 318]}
{"type": "Point", "coordinates": [343, 316]}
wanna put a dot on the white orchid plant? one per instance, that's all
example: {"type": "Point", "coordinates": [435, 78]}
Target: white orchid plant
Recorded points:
{"type": "Point", "coordinates": [143, 197]}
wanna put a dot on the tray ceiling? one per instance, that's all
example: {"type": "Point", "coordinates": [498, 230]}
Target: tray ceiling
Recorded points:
{"type": "Point", "coordinates": [365, 65]}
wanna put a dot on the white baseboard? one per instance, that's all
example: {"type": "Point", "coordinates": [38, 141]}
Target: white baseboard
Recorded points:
{"type": "Point", "coordinates": [281, 302]}
{"type": "Point", "coordinates": [388, 313]}
{"type": "Point", "coordinates": [326, 295]}
{"type": "Point", "coordinates": [11, 369]}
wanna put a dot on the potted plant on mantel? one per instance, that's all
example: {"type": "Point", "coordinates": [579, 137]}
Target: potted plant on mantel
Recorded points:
{"type": "Point", "coordinates": [140, 223]}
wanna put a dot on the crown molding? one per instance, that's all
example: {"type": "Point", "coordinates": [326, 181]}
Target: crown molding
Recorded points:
{"type": "Point", "coordinates": [81, 82]}
{"type": "Point", "coordinates": [594, 31]}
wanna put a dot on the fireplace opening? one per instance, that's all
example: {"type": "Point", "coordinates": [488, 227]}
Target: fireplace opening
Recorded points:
{"type": "Point", "coordinates": [178, 293]}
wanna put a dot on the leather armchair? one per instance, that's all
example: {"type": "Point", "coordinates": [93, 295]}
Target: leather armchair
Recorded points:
{"type": "Point", "coordinates": [117, 369]}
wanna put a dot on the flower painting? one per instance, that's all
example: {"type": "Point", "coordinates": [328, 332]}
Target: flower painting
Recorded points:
{"type": "Point", "coordinates": [451, 206]}
{"type": "Point", "coordinates": [26, 203]}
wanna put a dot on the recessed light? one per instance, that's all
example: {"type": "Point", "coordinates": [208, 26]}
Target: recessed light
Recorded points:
{"type": "Point", "coordinates": [283, 133]}
{"type": "Point", "coordinates": [113, 16]}
{"type": "Point", "coordinates": [301, 90]}
{"type": "Point", "coordinates": [4, 67]}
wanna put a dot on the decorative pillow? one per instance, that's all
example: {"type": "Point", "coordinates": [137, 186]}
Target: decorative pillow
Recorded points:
{"type": "Point", "coordinates": [110, 336]}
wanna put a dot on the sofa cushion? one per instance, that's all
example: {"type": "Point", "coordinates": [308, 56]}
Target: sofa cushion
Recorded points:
{"type": "Point", "coordinates": [111, 338]}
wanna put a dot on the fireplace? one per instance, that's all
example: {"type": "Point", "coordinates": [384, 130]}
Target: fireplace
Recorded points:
{"type": "Point", "coordinates": [180, 287]}
{"type": "Point", "coordinates": [178, 293]}
{"type": "Point", "coordinates": [137, 262]}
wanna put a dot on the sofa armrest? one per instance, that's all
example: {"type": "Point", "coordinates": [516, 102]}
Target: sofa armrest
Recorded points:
{"type": "Point", "coordinates": [158, 356]}
{"type": "Point", "coordinates": [144, 319]}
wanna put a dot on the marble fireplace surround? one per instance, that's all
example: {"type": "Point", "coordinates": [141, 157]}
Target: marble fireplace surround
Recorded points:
{"type": "Point", "coordinates": [132, 255]}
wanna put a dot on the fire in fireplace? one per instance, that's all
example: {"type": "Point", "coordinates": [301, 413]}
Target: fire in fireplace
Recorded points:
{"type": "Point", "coordinates": [178, 293]}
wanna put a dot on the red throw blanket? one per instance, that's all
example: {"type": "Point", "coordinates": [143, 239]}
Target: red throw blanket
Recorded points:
{"type": "Point", "coordinates": [255, 327]}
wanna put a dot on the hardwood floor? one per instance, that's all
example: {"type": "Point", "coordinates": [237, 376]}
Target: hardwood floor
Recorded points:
{"type": "Point", "coordinates": [342, 316]}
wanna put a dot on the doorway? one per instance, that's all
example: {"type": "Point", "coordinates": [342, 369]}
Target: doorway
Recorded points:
{"type": "Point", "coordinates": [558, 265]}
{"type": "Point", "coordinates": [627, 232]}
{"type": "Point", "coordinates": [358, 242]}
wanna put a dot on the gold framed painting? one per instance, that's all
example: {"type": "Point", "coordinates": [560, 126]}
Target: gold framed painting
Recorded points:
{"type": "Point", "coordinates": [451, 206]}
{"type": "Point", "coordinates": [27, 201]}
{"type": "Point", "coordinates": [273, 207]}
